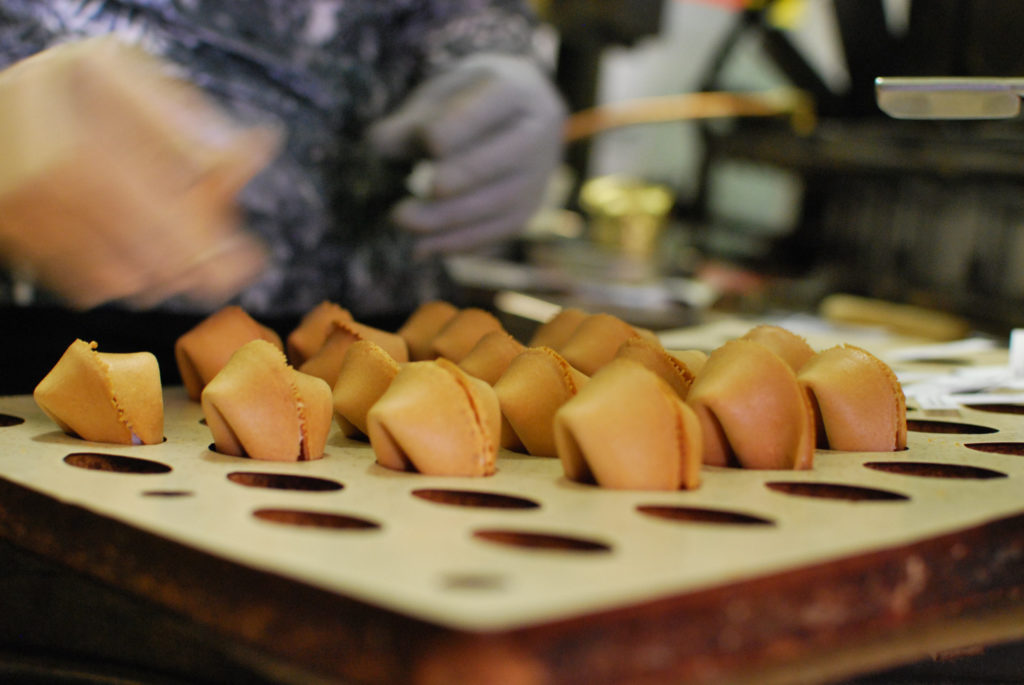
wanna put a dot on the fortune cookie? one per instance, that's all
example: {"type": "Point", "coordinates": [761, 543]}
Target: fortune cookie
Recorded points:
{"type": "Point", "coordinates": [531, 390]}
{"type": "Point", "coordinates": [558, 329]}
{"type": "Point", "coordinates": [596, 341]}
{"type": "Point", "coordinates": [204, 350]}
{"type": "Point", "coordinates": [423, 324]}
{"type": "Point", "coordinates": [104, 397]}
{"type": "Point", "coordinates": [260, 407]}
{"type": "Point", "coordinates": [654, 357]}
{"type": "Point", "coordinates": [314, 327]}
{"type": "Point", "coordinates": [366, 372]}
{"type": "Point", "coordinates": [859, 402]}
{"type": "Point", "coordinates": [491, 356]}
{"type": "Point", "coordinates": [436, 419]}
{"type": "Point", "coordinates": [652, 441]}
{"type": "Point", "coordinates": [793, 349]}
{"type": "Point", "coordinates": [326, 363]}
{"type": "Point", "coordinates": [693, 359]}
{"type": "Point", "coordinates": [752, 410]}
{"type": "Point", "coordinates": [462, 332]}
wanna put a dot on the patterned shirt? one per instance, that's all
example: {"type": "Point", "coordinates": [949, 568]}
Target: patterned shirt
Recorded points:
{"type": "Point", "coordinates": [323, 70]}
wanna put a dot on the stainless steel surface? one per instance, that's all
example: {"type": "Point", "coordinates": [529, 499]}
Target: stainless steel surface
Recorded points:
{"type": "Point", "coordinates": [947, 97]}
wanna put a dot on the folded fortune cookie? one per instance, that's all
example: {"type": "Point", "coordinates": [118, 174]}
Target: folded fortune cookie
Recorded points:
{"type": "Point", "coordinates": [858, 400]}
{"type": "Point", "coordinates": [260, 407]}
{"type": "Point", "coordinates": [104, 397]}
{"type": "Point", "coordinates": [654, 357]}
{"type": "Point", "coordinates": [326, 363]}
{"type": "Point", "coordinates": [204, 350]}
{"type": "Point", "coordinates": [531, 390]}
{"type": "Point", "coordinates": [462, 332]}
{"type": "Point", "coordinates": [596, 341]}
{"type": "Point", "coordinates": [752, 410]}
{"type": "Point", "coordinates": [558, 329]}
{"type": "Point", "coordinates": [422, 325]}
{"type": "Point", "coordinates": [436, 419]}
{"type": "Point", "coordinates": [650, 442]}
{"type": "Point", "coordinates": [491, 356]}
{"type": "Point", "coordinates": [314, 327]}
{"type": "Point", "coordinates": [793, 349]}
{"type": "Point", "coordinates": [693, 359]}
{"type": "Point", "coordinates": [366, 372]}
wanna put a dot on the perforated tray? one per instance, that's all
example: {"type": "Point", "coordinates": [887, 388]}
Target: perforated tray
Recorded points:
{"type": "Point", "coordinates": [512, 555]}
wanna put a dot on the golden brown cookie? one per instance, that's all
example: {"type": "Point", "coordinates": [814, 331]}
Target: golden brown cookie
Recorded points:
{"type": "Point", "coordinates": [693, 359]}
{"type": "Point", "coordinates": [436, 419]}
{"type": "Point", "coordinates": [859, 401]}
{"type": "Point", "coordinates": [654, 357]}
{"type": "Point", "coordinates": [260, 407]}
{"type": "Point", "coordinates": [793, 349]}
{"type": "Point", "coordinates": [311, 333]}
{"type": "Point", "coordinates": [326, 363]}
{"type": "Point", "coordinates": [104, 397]}
{"type": "Point", "coordinates": [531, 390]}
{"type": "Point", "coordinates": [752, 410]}
{"type": "Point", "coordinates": [422, 325]}
{"type": "Point", "coordinates": [557, 330]}
{"type": "Point", "coordinates": [650, 442]}
{"type": "Point", "coordinates": [204, 350]}
{"type": "Point", "coordinates": [491, 356]}
{"type": "Point", "coordinates": [596, 341]}
{"type": "Point", "coordinates": [462, 332]}
{"type": "Point", "coordinates": [366, 372]}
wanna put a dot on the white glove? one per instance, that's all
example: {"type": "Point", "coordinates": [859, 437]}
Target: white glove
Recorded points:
{"type": "Point", "coordinates": [492, 130]}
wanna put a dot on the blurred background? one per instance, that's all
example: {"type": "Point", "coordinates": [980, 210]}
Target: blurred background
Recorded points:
{"type": "Point", "coordinates": [728, 156]}
{"type": "Point", "coordinates": [818, 192]}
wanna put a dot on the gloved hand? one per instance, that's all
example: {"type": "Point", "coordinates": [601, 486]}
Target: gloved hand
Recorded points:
{"type": "Point", "coordinates": [492, 130]}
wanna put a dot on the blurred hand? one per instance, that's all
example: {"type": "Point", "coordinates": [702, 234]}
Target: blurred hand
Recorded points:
{"type": "Point", "coordinates": [492, 130]}
{"type": "Point", "coordinates": [119, 180]}
{"type": "Point", "coordinates": [114, 234]}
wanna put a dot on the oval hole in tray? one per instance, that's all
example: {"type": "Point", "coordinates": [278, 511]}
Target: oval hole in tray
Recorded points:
{"type": "Point", "coordinates": [315, 519]}
{"type": "Point", "coordinates": [168, 493]}
{"type": "Point", "coordinates": [701, 515]}
{"type": "Point", "coordinates": [7, 420]}
{"type": "Point", "coordinates": [284, 481]}
{"type": "Point", "coordinates": [1015, 449]}
{"type": "Point", "coordinates": [934, 470]}
{"type": "Point", "coordinates": [115, 463]}
{"type": "Point", "coordinates": [851, 493]}
{"type": "Point", "coordinates": [474, 498]}
{"type": "Point", "coordinates": [545, 541]}
{"type": "Point", "coordinates": [927, 426]}
{"type": "Point", "coordinates": [999, 408]}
